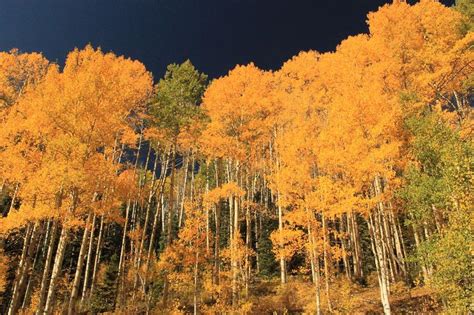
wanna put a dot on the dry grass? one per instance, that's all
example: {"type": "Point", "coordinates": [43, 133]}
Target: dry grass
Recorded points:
{"type": "Point", "coordinates": [297, 297]}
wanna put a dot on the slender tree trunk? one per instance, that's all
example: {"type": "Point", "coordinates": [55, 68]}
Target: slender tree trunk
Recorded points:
{"type": "Point", "coordinates": [345, 247]}
{"type": "Point", "coordinates": [427, 235]}
{"type": "Point", "coordinates": [156, 218]}
{"type": "Point", "coordinates": [233, 231]}
{"type": "Point", "coordinates": [154, 228]}
{"type": "Point", "coordinates": [380, 260]}
{"type": "Point", "coordinates": [98, 250]}
{"type": "Point", "coordinates": [195, 295]}
{"type": "Point", "coordinates": [185, 179]}
{"type": "Point", "coordinates": [135, 207]}
{"type": "Point", "coordinates": [280, 229]}
{"type": "Point", "coordinates": [235, 239]}
{"type": "Point", "coordinates": [88, 263]}
{"type": "Point", "coordinates": [163, 214]}
{"type": "Point", "coordinates": [397, 240]}
{"type": "Point", "coordinates": [417, 244]}
{"type": "Point", "coordinates": [248, 266]}
{"type": "Point", "coordinates": [26, 243]}
{"type": "Point", "coordinates": [169, 235]}
{"type": "Point", "coordinates": [132, 228]}
{"type": "Point", "coordinates": [387, 240]}
{"type": "Point", "coordinates": [121, 266]}
{"type": "Point", "coordinates": [47, 267]}
{"type": "Point", "coordinates": [2, 186]}
{"type": "Point", "coordinates": [80, 263]}
{"type": "Point", "coordinates": [315, 269]}
{"type": "Point", "coordinates": [274, 156]}
{"type": "Point", "coordinates": [191, 184]}
{"type": "Point", "coordinates": [47, 234]}
{"type": "Point", "coordinates": [404, 253]}
{"type": "Point", "coordinates": [326, 263]}
{"type": "Point", "coordinates": [217, 220]}
{"type": "Point", "coordinates": [15, 192]}
{"type": "Point", "coordinates": [145, 224]}
{"type": "Point", "coordinates": [257, 249]}
{"type": "Point", "coordinates": [208, 245]}
{"type": "Point", "coordinates": [24, 266]}
{"type": "Point", "coordinates": [37, 252]}
{"type": "Point", "coordinates": [217, 244]}
{"type": "Point", "coordinates": [58, 262]}
{"type": "Point", "coordinates": [355, 239]}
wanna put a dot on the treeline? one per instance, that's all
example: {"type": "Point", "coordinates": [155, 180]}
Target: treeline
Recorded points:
{"type": "Point", "coordinates": [342, 167]}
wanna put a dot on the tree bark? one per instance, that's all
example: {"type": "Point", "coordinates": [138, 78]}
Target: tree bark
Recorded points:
{"type": "Point", "coordinates": [121, 265]}
{"type": "Point", "coordinates": [24, 266]}
{"type": "Point", "coordinates": [326, 263]}
{"type": "Point", "coordinates": [80, 263]}
{"type": "Point", "coordinates": [20, 270]}
{"type": "Point", "coordinates": [195, 295]}
{"type": "Point", "coordinates": [169, 236]}
{"type": "Point", "coordinates": [47, 267]}
{"type": "Point", "coordinates": [380, 260]}
{"type": "Point", "coordinates": [88, 263]}
{"type": "Point", "coordinates": [145, 223]}
{"type": "Point", "coordinates": [356, 250]}
{"type": "Point", "coordinates": [37, 252]}
{"type": "Point", "coordinates": [280, 229]}
{"type": "Point", "coordinates": [58, 262]}
{"type": "Point", "coordinates": [156, 218]}
{"type": "Point", "coordinates": [183, 197]}
{"type": "Point", "coordinates": [98, 250]}
{"type": "Point", "coordinates": [315, 269]}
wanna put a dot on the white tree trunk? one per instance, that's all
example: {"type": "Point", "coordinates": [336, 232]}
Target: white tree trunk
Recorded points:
{"type": "Point", "coordinates": [79, 265]}
{"type": "Point", "coordinates": [88, 263]}
{"type": "Point", "coordinates": [58, 262]}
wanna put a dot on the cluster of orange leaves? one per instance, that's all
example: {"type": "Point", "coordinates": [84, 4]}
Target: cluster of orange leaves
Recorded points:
{"type": "Point", "coordinates": [60, 129]}
{"type": "Point", "coordinates": [322, 127]}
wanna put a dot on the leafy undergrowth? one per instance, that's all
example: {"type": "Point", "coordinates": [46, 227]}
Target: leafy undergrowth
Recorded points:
{"type": "Point", "coordinates": [298, 297]}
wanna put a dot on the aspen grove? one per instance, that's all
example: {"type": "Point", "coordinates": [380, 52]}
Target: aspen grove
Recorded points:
{"type": "Point", "coordinates": [300, 190]}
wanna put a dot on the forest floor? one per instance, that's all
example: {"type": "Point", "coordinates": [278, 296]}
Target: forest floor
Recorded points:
{"type": "Point", "coordinates": [412, 301]}
{"type": "Point", "coordinates": [297, 297]}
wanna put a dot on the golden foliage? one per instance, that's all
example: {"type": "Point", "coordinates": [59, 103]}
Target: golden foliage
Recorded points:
{"type": "Point", "coordinates": [4, 263]}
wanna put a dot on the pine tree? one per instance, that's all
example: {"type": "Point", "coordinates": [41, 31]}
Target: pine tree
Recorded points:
{"type": "Point", "coordinates": [104, 297]}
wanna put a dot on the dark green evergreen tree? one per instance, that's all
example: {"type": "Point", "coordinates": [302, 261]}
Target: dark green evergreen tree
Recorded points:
{"type": "Point", "coordinates": [177, 98]}
{"type": "Point", "coordinates": [104, 297]}
{"type": "Point", "coordinates": [268, 263]}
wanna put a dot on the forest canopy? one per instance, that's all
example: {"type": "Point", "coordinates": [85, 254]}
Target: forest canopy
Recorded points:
{"type": "Point", "coordinates": [341, 178]}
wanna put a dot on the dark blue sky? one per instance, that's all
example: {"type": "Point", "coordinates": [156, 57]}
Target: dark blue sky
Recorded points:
{"type": "Point", "coordinates": [214, 34]}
